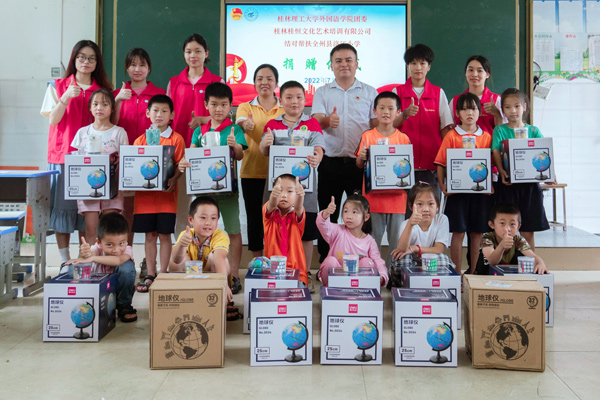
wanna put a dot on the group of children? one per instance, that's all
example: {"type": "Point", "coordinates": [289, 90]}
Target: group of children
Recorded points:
{"type": "Point", "coordinates": [291, 217]}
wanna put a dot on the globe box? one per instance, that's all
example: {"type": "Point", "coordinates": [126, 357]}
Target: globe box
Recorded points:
{"type": "Point", "coordinates": [291, 160]}
{"type": "Point", "coordinates": [425, 333]}
{"type": "Point", "coordinates": [366, 278]}
{"type": "Point", "coordinates": [91, 176]}
{"type": "Point", "coordinates": [351, 326]}
{"type": "Point", "coordinates": [389, 167]}
{"type": "Point", "coordinates": [79, 310]}
{"type": "Point", "coordinates": [468, 171]}
{"type": "Point", "coordinates": [146, 167]}
{"type": "Point", "coordinates": [263, 278]}
{"type": "Point", "coordinates": [505, 322]}
{"type": "Point", "coordinates": [187, 321]}
{"type": "Point", "coordinates": [281, 327]}
{"type": "Point", "coordinates": [529, 160]}
{"type": "Point", "coordinates": [546, 280]}
{"type": "Point", "coordinates": [443, 278]}
{"type": "Point", "coordinates": [213, 170]}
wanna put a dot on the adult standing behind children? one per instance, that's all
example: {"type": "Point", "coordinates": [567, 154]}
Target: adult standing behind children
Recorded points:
{"type": "Point", "coordinates": [344, 109]}
{"type": "Point", "coordinates": [425, 117]}
{"type": "Point", "coordinates": [66, 105]}
{"type": "Point", "coordinates": [187, 92]}
{"type": "Point", "coordinates": [252, 117]}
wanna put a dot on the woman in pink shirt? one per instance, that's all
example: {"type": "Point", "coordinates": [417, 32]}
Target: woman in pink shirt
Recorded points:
{"type": "Point", "coordinates": [350, 238]}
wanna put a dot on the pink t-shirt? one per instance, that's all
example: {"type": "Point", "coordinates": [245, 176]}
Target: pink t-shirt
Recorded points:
{"type": "Point", "coordinates": [341, 242]}
{"type": "Point", "coordinates": [106, 269]}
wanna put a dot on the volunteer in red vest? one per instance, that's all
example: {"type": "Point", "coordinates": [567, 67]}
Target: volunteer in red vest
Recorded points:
{"type": "Point", "coordinates": [66, 106]}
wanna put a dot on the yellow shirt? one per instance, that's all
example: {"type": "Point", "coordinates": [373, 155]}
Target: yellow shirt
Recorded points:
{"type": "Point", "coordinates": [219, 240]}
{"type": "Point", "coordinates": [254, 164]}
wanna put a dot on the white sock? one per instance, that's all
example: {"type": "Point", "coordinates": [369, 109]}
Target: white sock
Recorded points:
{"type": "Point", "coordinates": [64, 255]}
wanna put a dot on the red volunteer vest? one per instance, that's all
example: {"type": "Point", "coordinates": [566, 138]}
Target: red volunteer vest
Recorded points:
{"type": "Point", "coordinates": [133, 111]}
{"type": "Point", "coordinates": [187, 98]}
{"type": "Point", "coordinates": [422, 129]}
{"type": "Point", "coordinates": [485, 121]}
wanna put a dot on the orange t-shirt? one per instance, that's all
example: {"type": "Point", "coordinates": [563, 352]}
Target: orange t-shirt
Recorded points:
{"type": "Point", "coordinates": [384, 201]}
{"type": "Point", "coordinates": [159, 202]}
{"type": "Point", "coordinates": [283, 237]}
{"type": "Point", "coordinates": [453, 140]}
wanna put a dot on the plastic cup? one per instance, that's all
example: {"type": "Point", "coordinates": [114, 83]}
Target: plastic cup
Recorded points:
{"type": "Point", "coordinates": [521, 133]}
{"type": "Point", "coordinates": [94, 143]}
{"type": "Point", "coordinates": [429, 262]}
{"type": "Point", "coordinates": [468, 142]}
{"type": "Point", "coordinates": [383, 141]}
{"type": "Point", "coordinates": [526, 264]}
{"type": "Point", "coordinates": [153, 137]}
{"type": "Point", "coordinates": [350, 263]}
{"type": "Point", "coordinates": [278, 264]}
{"type": "Point", "coordinates": [193, 267]}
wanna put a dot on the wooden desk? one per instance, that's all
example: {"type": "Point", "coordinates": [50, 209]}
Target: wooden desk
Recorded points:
{"type": "Point", "coordinates": [7, 249]}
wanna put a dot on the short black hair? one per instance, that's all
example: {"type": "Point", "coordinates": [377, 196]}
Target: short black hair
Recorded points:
{"type": "Point", "coordinates": [161, 99]}
{"type": "Point", "coordinates": [504, 208]}
{"type": "Point", "coordinates": [469, 101]}
{"type": "Point", "coordinates": [286, 176]}
{"type": "Point", "coordinates": [139, 53]}
{"type": "Point", "coordinates": [112, 224]}
{"type": "Point", "coordinates": [420, 188]}
{"type": "Point", "coordinates": [343, 46]}
{"type": "Point", "coordinates": [107, 94]}
{"type": "Point", "coordinates": [522, 98]}
{"type": "Point", "coordinates": [418, 52]}
{"type": "Point", "coordinates": [363, 203]}
{"type": "Point", "coordinates": [218, 90]}
{"type": "Point", "coordinates": [387, 95]}
{"type": "Point", "coordinates": [198, 39]}
{"type": "Point", "coordinates": [202, 201]}
{"type": "Point", "coordinates": [290, 85]}
{"type": "Point", "coordinates": [269, 66]}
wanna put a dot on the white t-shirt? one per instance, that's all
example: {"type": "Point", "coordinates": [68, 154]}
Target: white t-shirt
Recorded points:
{"type": "Point", "coordinates": [439, 232]}
{"type": "Point", "coordinates": [51, 98]}
{"type": "Point", "coordinates": [80, 139]}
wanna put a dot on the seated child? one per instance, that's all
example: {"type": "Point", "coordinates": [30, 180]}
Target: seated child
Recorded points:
{"type": "Point", "coordinates": [504, 245]}
{"type": "Point", "coordinates": [353, 237]}
{"type": "Point", "coordinates": [283, 221]}
{"type": "Point", "coordinates": [111, 254]}
{"type": "Point", "coordinates": [426, 232]}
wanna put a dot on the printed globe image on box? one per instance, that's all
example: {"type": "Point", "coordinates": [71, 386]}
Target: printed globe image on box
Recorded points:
{"type": "Point", "coordinates": [82, 316]}
{"type": "Point", "coordinates": [478, 173]}
{"type": "Point", "coordinates": [365, 336]}
{"type": "Point", "coordinates": [302, 171]}
{"type": "Point", "coordinates": [294, 336]}
{"type": "Point", "coordinates": [440, 337]}
{"type": "Point", "coordinates": [217, 171]}
{"type": "Point", "coordinates": [541, 163]}
{"type": "Point", "coordinates": [189, 340]}
{"type": "Point", "coordinates": [509, 340]}
{"type": "Point", "coordinates": [96, 179]}
{"type": "Point", "coordinates": [149, 171]}
{"type": "Point", "coordinates": [402, 170]}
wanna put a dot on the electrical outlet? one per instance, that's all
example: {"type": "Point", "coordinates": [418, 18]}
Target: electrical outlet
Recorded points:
{"type": "Point", "coordinates": [55, 72]}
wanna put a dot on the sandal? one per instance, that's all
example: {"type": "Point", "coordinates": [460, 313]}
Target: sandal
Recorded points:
{"type": "Point", "coordinates": [236, 285]}
{"type": "Point", "coordinates": [142, 286]}
{"type": "Point", "coordinates": [124, 311]}
{"type": "Point", "coordinates": [143, 268]}
{"type": "Point", "coordinates": [233, 314]}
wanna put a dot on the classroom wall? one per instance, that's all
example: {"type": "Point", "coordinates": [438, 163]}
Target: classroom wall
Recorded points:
{"type": "Point", "coordinates": [30, 47]}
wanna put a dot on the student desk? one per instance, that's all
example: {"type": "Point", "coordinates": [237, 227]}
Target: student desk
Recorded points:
{"type": "Point", "coordinates": [32, 188]}
{"type": "Point", "coordinates": [7, 249]}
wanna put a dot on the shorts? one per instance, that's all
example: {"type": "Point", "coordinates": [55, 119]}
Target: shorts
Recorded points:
{"type": "Point", "coordinates": [64, 217]}
{"type": "Point", "coordinates": [310, 227]}
{"type": "Point", "coordinates": [229, 206]}
{"type": "Point", "coordinates": [528, 197]}
{"type": "Point", "coordinates": [162, 223]}
{"type": "Point", "coordinates": [116, 203]}
{"type": "Point", "coordinates": [468, 212]}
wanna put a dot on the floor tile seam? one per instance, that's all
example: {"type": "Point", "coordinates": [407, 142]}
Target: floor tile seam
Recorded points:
{"type": "Point", "coordinates": [21, 341]}
{"type": "Point", "coordinates": [162, 384]}
{"type": "Point", "coordinates": [562, 380]}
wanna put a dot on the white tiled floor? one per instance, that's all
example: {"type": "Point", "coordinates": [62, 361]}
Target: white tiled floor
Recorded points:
{"type": "Point", "coordinates": [117, 367]}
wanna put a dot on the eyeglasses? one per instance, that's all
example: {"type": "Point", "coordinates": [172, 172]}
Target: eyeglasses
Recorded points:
{"type": "Point", "coordinates": [81, 58]}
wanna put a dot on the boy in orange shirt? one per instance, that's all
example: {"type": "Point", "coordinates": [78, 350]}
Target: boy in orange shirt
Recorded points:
{"type": "Point", "coordinates": [387, 207]}
{"type": "Point", "coordinates": [465, 212]}
{"type": "Point", "coordinates": [283, 220]}
{"type": "Point", "coordinates": [155, 213]}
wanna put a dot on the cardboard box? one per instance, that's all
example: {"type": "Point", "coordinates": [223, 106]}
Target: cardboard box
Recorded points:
{"type": "Point", "coordinates": [504, 322]}
{"type": "Point", "coordinates": [213, 170]}
{"type": "Point", "coordinates": [146, 167]}
{"type": "Point", "coordinates": [443, 278]}
{"type": "Point", "coordinates": [425, 328]}
{"type": "Point", "coordinates": [281, 327]}
{"type": "Point", "coordinates": [468, 171]}
{"type": "Point", "coordinates": [79, 310]}
{"type": "Point", "coordinates": [291, 160]}
{"type": "Point", "coordinates": [366, 278]}
{"type": "Point", "coordinates": [91, 176]}
{"type": "Point", "coordinates": [529, 160]}
{"type": "Point", "coordinates": [187, 321]}
{"type": "Point", "coordinates": [546, 280]}
{"type": "Point", "coordinates": [351, 326]}
{"type": "Point", "coordinates": [261, 279]}
{"type": "Point", "coordinates": [389, 167]}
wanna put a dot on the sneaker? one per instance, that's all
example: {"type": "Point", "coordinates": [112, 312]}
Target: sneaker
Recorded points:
{"type": "Point", "coordinates": [311, 285]}
{"type": "Point", "coordinates": [143, 269]}
{"type": "Point", "coordinates": [64, 268]}
{"type": "Point", "coordinates": [236, 285]}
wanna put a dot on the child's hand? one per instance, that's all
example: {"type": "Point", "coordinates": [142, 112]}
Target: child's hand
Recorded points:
{"type": "Point", "coordinates": [248, 124]}
{"type": "Point", "coordinates": [504, 177]}
{"type": "Point", "coordinates": [412, 110]}
{"type": "Point", "coordinates": [276, 192]}
{"type": "Point", "coordinates": [299, 188]}
{"type": "Point", "coordinates": [229, 294]}
{"type": "Point", "coordinates": [314, 159]}
{"type": "Point", "coordinates": [81, 260]}
{"type": "Point", "coordinates": [415, 218]}
{"type": "Point", "coordinates": [540, 267]}
{"type": "Point", "coordinates": [183, 164]}
{"type": "Point", "coordinates": [268, 139]}
{"type": "Point", "coordinates": [443, 188]}
{"type": "Point", "coordinates": [72, 91]}
{"type": "Point", "coordinates": [363, 153]}
{"type": "Point", "coordinates": [330, 208]}
{"type": "Point", "coordinates": [171, 184]}
{"type": "Point", "coordinates": [231, 139]}
{"type": "Point", "coordinates": [195, 121]}
{"type": "Point", "coordinates": [84, 248]}
{"type": "Point", "coordinates": [124, 94]}
{"type": "Point", "coordinates": [507, 242]}
{"type": "Point", "coordinates": [186, 238]}
{"type": "Point", "coordinates": [398, 254]}
{"type": "Point", "coordinates": [334, 118]}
